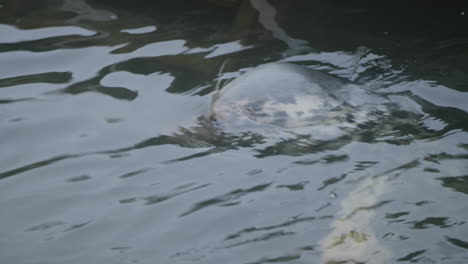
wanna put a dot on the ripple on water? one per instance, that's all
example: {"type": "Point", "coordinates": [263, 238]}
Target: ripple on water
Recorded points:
{"type": "Point", "coordinates": [106, 157]}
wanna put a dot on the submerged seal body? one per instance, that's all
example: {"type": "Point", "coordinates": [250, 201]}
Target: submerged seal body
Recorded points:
{"type": "Point", "coordinates": [278, 94]}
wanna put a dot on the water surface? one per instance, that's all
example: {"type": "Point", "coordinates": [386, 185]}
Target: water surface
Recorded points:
{"type": "Point", "coordinates": [104, 158]}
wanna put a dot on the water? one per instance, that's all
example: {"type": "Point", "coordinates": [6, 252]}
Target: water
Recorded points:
{"type": "Point", "coordinates": [104, 157]}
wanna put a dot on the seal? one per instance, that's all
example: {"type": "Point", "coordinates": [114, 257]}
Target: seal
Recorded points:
{"type": "Point", "coordinates": [281, 95]}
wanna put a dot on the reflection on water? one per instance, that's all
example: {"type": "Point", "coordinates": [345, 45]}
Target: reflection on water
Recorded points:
{"type": "Point", "coordinates": [109, 154]}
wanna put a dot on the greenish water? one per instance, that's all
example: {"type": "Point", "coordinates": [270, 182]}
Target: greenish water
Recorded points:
{"type": "Point", "coordinates": [105, 159]}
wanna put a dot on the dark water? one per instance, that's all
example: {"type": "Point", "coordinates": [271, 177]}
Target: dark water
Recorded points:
{"type": "Point", "coordinates": [104, 158]}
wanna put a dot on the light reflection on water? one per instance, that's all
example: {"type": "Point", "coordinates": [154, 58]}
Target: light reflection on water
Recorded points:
{"type": "Point", "coordinates": [105, 158]}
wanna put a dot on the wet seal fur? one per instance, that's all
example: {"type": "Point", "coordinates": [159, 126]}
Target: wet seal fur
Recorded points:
{"type": "Point", "coordinates": [282, 95]}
